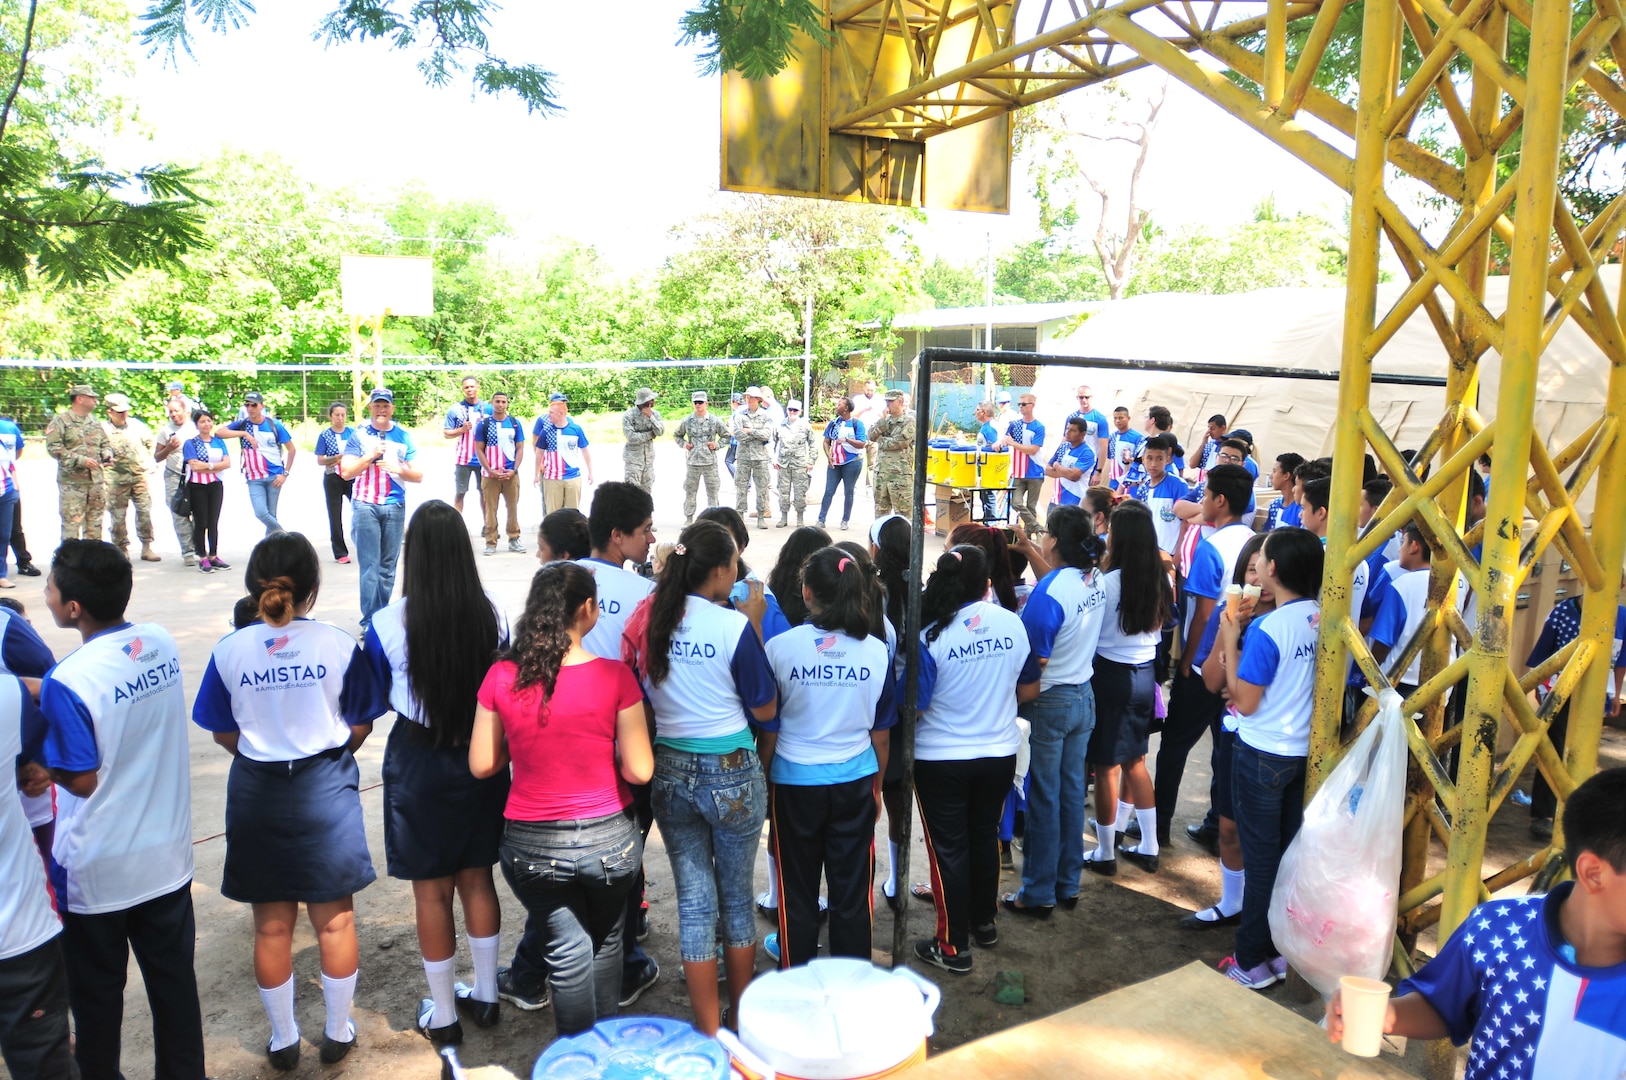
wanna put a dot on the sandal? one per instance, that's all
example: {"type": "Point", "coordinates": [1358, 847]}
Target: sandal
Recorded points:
{"type": "Point", "coordinates": [921, 891]}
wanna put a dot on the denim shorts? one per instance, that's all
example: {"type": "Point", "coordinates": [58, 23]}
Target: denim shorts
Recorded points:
{"type": "Point", "coordinates": [710, 809]}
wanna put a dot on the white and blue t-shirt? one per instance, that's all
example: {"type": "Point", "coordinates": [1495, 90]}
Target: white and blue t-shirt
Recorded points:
{"type": "Point", "coordinates": [1095, 423]}
{"type": "Point", "coordinates": [1082, 456]}
{"type": "Point", "coordinates": [27, 918]}
{"type": "Point", "coordinates": [1114, 644]}
{"type": "Point", "coordinates": [1507, 982]}
{"type": "Point", "coordinates": [496, 444]}
{"type": "Point", "coordinates": [1279, 655]}
{"type": "Point", "coordinates": [1063, 620]}
{"type": "Point", "coordinates": [987, 435]}
{"type": "Point", "coordinates": [22, 652]}
{"type": "Point", "coordinates": [385, 650]}
{"type": "Point", "coordinates": [1160, 499]}
{"type": "Point", "coordinates": [833, 691]}
{"type": "Point", "coordinates": [116, 706]}
{"type": "Point", "coordinates": [619, 592]}
{"type": "Point", "coordinates": [1123, 450]}
{"type": "Point", "coordinates": [1214, 563]}
{"type": "Point", "coordinates": [262, 446]}
{"type": "Point", "coordinates": [290, 692]}
{"type": "Point", "coordinates": [376, 484]}
{"type": "Point", "coordinates": [716, 672]}
{"type": "Point", "coordinates": [1024, 466]}
{"type": "Point", "coordinates": [11, 448]}
{"type": "Point", "coordinates": [1400, 614]}
{"type": "Point", "coordinates": [967, 683]}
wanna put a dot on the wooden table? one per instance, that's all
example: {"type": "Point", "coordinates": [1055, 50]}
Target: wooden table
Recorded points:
{"type": "Point", "coordinates": [1191, 1024]}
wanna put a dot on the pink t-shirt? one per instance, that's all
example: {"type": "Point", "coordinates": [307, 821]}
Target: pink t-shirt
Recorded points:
{"type": "Point", "coordinates": [564, 747]}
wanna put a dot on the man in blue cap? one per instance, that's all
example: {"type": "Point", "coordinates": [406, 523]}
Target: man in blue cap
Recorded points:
{"type": "Point", "coordinates": [562, 458]}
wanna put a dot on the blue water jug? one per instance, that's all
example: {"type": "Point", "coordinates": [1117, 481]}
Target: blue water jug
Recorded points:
{"type": "Point", "coordinates": [635, 1048]}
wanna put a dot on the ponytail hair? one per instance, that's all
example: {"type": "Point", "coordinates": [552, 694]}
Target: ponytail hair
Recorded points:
{"type": "Point", "coordinates": [960, 576]}
{"type": "Point", "coordinates": [872, 582]}
{"type": "Point", "coordinates": [1076, 543]}
{"type": "Point", "coordinates": [282, 576]}
{"type": "Point", "coordinates": [891, 543]}
{"type": "Point", "coordinates": [1001, 576]}
{"type": "Point", "coordinates": [785, 579]}
{"type": "Point", "coordinates": [542, 637]}
{"type": "Point", "coordinates": [842, 591]}
{"type": "Point", "coordinates": [700, 550]}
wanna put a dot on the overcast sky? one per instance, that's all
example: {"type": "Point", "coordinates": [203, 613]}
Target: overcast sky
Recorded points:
{"type": "Point", "coordinates": [635, 152]}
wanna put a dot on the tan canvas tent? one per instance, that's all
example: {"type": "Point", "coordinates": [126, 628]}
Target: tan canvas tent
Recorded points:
{"type": "Point", "coordinates": [1300, 329]}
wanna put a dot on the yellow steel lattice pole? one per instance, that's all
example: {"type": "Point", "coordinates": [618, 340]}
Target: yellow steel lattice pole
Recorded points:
{"type": "Point", "coordinates": [1504, 512]}
{"type": "Point", "coordinates": [1379, 53]}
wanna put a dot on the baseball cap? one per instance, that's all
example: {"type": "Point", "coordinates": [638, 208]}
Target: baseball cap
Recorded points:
{"type": "Point", "coordinates": [253, 397]}
{"type": "Point", "coordinates": [556, 396]}
{"type": "Point", "coordinates": [118, 403]}
{"type": "Point", "coordinates": [382, 393]}
{"type": "Point", "coordinates": [753, 391]}
{"type": "Point", "coordinates": [1241, 433]}
{"type": "Point", "coordinates": [793, 405]}
{"type": "Point", "coordinates": [1003, 397]}
{"type": "Point", "coordinates": [173, 386]}
{"type": "Point", "coordinates": [644, 396]}
{"type": "Point", "coordinates": [82, 390]}
{"type": "Point", "coordinates": [698, 396]}
{"type": "Point", "coordinates": [736, 397]}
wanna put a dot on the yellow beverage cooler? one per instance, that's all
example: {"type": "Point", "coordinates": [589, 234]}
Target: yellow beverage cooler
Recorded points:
{"type": "Point", "coordinates": [937, 461]}
{"type": "Point", "coordinates": [962, 466]}
{"type": "Point", "coordinates": [994, 471]}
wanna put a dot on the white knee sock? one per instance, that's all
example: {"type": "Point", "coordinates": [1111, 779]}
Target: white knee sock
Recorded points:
{"type": "Point", "coordinates": [338, 993]}
{"type": "Point", "coordinates": [485, 966]}
{"type": "Point", "coordinates": [1105, 844]}
{"type": "Point", "coordinates": [1147, 844]}
{"type": "Point", "coordinates": [1126, 814]}
{"type": "Point", "coordinates": [442, 989]}
{"type": "Point", "coordinates": [1231, 896]}
{"type": "Point", "coordinates": [279, 1009]}
{"type": "Point", "coordinates": [772, 895]}
{"type": "Point", "coordinates": [891, 886]}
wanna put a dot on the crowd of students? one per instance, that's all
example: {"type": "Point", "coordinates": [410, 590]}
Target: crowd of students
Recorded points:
{"type": "Point", "coordinates": [711, 700]}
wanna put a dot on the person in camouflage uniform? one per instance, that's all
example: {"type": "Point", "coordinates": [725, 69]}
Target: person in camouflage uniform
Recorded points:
{"type": "Point", "coordinates": [893, 436]}
{"type": "Point", "coordinates": [798, 453]}
{"type": "Point", "coordinates": [641, 425]}
{"type": "Point", "coordinates": [701, 436]}
{"type": "Point", "coordinates": [76, 440]}
{"type": "Point", "coordinates": [754, 430]}
{"type": "Point", "coordinates": [132, 444]}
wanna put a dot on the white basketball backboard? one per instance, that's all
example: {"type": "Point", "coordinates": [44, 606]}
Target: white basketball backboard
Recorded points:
{"type": "Point", "coordinates": [371, 285]}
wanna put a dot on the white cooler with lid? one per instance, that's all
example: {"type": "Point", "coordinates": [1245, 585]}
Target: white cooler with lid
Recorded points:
{"type": "Point", "coordinates": [834, 1019]}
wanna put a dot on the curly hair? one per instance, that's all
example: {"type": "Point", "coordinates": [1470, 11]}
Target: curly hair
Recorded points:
{"type": "Point", "coordinates": [542, 636]}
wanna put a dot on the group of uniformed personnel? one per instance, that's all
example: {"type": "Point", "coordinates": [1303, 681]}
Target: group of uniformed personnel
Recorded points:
{"type": "Point", "coordinates": [102, 466]}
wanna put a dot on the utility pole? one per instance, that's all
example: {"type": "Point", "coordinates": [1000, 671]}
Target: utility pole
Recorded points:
{"type": "Point", "coordinates": [807, 357]}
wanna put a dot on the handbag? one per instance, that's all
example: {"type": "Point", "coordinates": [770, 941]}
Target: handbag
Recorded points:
{"type": "Point", "coordinates": [181, 502]}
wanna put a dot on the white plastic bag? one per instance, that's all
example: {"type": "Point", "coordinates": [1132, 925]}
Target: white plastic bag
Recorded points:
{"type": "Point", "coordinates": [1332, 912]}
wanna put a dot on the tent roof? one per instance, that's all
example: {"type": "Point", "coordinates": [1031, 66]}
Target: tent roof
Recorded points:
{"type": "Point", "coordinates": [998, 314]}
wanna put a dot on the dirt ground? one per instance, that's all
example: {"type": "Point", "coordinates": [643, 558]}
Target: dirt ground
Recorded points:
{"type": "Point", "coordinates": [1124, 930]}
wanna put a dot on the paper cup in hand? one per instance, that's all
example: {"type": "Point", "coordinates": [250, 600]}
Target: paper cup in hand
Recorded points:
{"type": "Point", "coordinates": [1233, 600]}
{"type": "Point", "coordinates": [1365, 1007]}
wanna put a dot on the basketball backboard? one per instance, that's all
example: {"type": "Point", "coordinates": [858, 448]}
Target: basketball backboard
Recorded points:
{"type": "Point", "coordinates": [374, 285]}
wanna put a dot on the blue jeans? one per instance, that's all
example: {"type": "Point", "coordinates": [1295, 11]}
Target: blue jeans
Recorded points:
{"type": "Point", "coordinates": [574, 878]}
{"type": "Point", "coordinates": [844, 474]}
{"type": "Point", "coordinates": [1268, 793]}
{"type": "Point", "coordinates": [263, 496]}
{"type": "Point", "coordinates": [710, 808]}
{"type": "Point", "coordinates": [8, 514]}
{"type": "Point", "coordinates": [376, 529]}
{"type": "Point", "coordinates": [1053, 845]}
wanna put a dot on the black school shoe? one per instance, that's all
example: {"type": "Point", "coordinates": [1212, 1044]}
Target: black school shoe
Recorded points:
{"type": "Point", "coordinates": [1147, 863]}
{"type": "Point", "coordinates": [450, 1035]}
{"type": "Point", "coordinates": [484, 1013]}
{"type": "Point", "coordinates": [927, 951]}
{"type": "Point", "coordinates": [284, 1060]}
{"type": "Point", "coordinates": [334, 1051]}
{"type": "Point", "coordinates": [1204, 837]}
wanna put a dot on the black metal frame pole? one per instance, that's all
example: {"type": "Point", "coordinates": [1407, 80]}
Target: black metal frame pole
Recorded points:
{"type": "Point", "coordinates": [933, 356]}
{"type": "Point", "coordinates": [911, 647]}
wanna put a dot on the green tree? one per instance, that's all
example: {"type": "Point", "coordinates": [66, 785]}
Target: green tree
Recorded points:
{"type": "Point", "coordinates": [1267, 253]}
{"type": "Point", "coordinates": [65, 216]}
